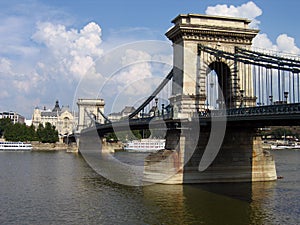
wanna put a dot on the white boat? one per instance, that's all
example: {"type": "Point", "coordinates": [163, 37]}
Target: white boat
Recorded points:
{"type": "Point", "coordinates": [145, 145]}
{"type": "Point", "coordinates": [15, 146]}
{"type": "Point", "coordinates": [280, 147]}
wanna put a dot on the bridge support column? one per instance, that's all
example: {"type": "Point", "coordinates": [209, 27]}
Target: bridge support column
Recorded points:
{"type": "Point", "coordinates": [240, 158]}
{"type": "Point", "coordinates": [263, 164]}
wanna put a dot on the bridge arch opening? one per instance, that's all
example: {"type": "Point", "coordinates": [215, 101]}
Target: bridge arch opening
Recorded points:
{"type": "Point", "coordinates": [218, 85]}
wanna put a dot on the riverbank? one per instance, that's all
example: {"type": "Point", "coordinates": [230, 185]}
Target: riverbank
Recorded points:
{"type": "Point", "coordinates": [106, 147]}
{"type": "Point", "coordinates": [37, 146]}
{"type": "Point", "coordinates": [111, 147]}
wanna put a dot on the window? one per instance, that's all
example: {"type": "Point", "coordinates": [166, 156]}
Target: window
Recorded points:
{"type": "Point", "coordinates": [66, 122]}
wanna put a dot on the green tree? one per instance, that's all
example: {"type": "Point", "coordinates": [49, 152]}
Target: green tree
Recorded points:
{"type": "Point", "coordinates": [8, 133]}
{"type": "Point", "coordinates": [281, 132]}
{"type": "Point", "coordinates": [47, 134]}
{"type": "Point", "coordinates": [32, 134]}
{"type": "Point", "coordinates": [39, 132]}
{"type": "Point", "coordinates": [124, 135]}
{"type": "Point", "coordinates": [17, 132]}
{"type": "Point", "coordinates": [21, 132]}
{"type": "Point", "coordinates": [145, 133]}
{"type": "Point", "coordinates": [111, 137]}
{"type": "Point", "coordinates": [4, 124]}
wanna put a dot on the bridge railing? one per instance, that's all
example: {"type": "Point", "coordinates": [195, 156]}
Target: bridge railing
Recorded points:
{"type": "Point", "coordinates": [242, 111]}
{"type": "Point", "coordinates": [255, 111]}
{"type": "Point", "coordinates": [280, 109]}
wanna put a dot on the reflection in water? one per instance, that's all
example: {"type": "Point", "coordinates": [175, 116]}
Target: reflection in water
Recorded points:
{"type": "Point", "coordinates": [60, 188]}
{"type": "Point", "coordinates": [213, 203]}
{"type": "Point", "coordinates": [261, 212]}
{"type": "Point", "coordinates": [274, 202]}
{"type": "Point", "coordinates": [192, 204]}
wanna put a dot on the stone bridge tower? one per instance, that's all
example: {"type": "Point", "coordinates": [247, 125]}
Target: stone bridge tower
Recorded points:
{"type": "Point", "coordinates": [92, 107]}
{"type": "Point", "coordinates": [191, 66]}
{"type": "Point", "coordinates": [230, 152]}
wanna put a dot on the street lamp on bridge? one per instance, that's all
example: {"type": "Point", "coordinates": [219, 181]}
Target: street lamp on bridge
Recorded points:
{"type": "Point", "coordinates": [286, 94]}
{"type": "Point", "coordinates": [271, 99]}
{"type": "Point", "coordinates": [211, 93]}
{"type": "Point", "coordinates": [242, 98]}
{"type": "Point", "coordinates": [156, 110]}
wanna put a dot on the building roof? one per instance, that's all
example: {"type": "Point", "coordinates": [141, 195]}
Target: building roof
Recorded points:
{"type": "Point", "coordinates": [49, 113]}
{"type": "Point", "coordinates": [56, 111]}
{"type": "Point", "coordinates": [128, 110]}
{"type": "Point", "coordinates": [115, 114]}
{"type": "Point", "coordinates": [56, 107]}
{"type": "Point", "coordinates": [65, 108]}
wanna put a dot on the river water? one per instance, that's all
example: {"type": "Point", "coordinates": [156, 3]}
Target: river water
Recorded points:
{"type": "Point", "coordinates": [61, 188]}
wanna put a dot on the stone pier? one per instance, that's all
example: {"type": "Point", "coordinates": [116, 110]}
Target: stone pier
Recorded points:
{"type": "Point", "coordinates": [240, 158]}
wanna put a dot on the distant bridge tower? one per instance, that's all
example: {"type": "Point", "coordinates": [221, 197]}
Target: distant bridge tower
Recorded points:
{"type": "Point", "coordinates": [89, 110]}
{"type": "Point", "coordinates": [192, 66]}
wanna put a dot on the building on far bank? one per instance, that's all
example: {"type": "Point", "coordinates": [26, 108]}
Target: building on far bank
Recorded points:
{"type": "Point", "coordinates": [28, 122]}
{"type": "Point", "coordinates": [13, 116]}
{"type": "Point", "coordinates": [119, 115]}
{"type": "Point", "coordinates": [60, 117]}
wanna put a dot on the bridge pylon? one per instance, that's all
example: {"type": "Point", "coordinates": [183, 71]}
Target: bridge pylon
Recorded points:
{"type": "Point", "coordinates": [190, 90]}
{"type": "Point", "coordinates": [234, 155]}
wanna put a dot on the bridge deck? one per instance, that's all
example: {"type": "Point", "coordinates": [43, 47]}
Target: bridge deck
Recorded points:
{"type": "Point", "coordinates": [272, 115]}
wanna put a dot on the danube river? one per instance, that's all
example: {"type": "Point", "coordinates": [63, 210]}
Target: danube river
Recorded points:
{"type": "Point", "coordinates": [61, 188]}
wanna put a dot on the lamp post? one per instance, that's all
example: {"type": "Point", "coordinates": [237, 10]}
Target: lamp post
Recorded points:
{"type": "Point", "coordinates": [156, 110]}
{"type": "Point", "coordinates": [286, 94]}
{"type": "Point", "coordinates": [271, 99]}
{"type": "Point", "coordinates": [242, 98]}
{"type": "Point", "coordinates": [211, 92]}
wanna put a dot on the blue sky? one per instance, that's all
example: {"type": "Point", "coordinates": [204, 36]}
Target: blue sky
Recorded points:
{"type": "Point", "coordinates": [47, 47]}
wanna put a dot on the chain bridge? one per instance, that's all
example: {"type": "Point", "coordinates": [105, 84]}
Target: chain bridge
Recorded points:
{"type": "Point", "coordinates": [222, 91]}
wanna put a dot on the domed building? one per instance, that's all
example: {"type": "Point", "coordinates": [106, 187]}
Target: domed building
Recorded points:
{"type": "Point", "coordinates": [60, 117]}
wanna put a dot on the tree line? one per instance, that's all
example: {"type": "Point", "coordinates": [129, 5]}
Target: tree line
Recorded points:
{"type": "Point", "coordinates": [21, 132]}
{"type": "Point", "coordinates": [279, 133]}
{"type": "Point", "coordinates": [134, 135]}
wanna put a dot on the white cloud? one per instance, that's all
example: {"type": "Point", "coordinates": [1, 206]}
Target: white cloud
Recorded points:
{"type": "Point", "coordinates": [263, 41]}
{"type": "Point", "coordinates": [13, 80]}
{"type": "Point", "coordinates": [5, 67]}
{"type": "Point", "coordinates": [248, 10]}
{"type": "Point", "coordinates": [48, 56]}
{"type": "Point", "coordinates": [287, 44]}
{"type": "Point", "coordinates": [129, 73]}
{"type": "Point", "coordinates": [133, 56]}
{"type": "Point", "coordinates": [73, 51]}
{"type": "Point", "coordinates": [138, 74]}
{"type": "Point", "coordinates": [251, 11]}
{"type": "Point", "coordinates": [132, 78]}
{"type": "Point", "coordinates": [284, 44]}
{"type": "Point", "coordinates": [135, 66]}
{"type": "Point", "coordinates": [50, 65]}
{"type": "Point", "coordinates": [25, 67]}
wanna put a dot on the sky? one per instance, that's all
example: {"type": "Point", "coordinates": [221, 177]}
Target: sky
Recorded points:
{"type": "Point", "coordinates": [112, 49]}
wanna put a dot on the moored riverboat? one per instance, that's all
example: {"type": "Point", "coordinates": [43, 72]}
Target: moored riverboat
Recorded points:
{"type": "Point", "coordinates": [285, 145]}
{"type": "Point", "coordinates": [15, 146]}
{"type": "Point", "coordinates": [145, 145]}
